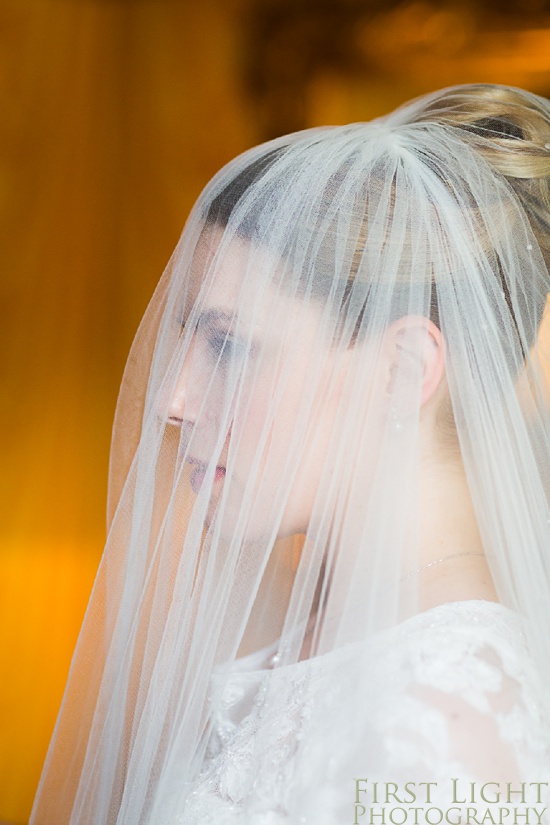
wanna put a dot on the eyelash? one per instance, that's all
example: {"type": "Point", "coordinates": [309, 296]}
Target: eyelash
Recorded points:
{"type": "Point", "coordinates": [223, 346]}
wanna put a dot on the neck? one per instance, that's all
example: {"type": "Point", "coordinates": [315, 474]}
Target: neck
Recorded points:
{"type": "Point", "coordinates": [447, 520]}
{"type": "Point", "coordinates": [451, 565]}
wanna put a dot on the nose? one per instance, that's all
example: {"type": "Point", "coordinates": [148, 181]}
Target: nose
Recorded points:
{"type": "Point", "coordinates": [177, 403]}
{"type": "Point", "coordinates": [180, 407]}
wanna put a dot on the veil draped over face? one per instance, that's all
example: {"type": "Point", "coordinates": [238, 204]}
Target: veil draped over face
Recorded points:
{"type": "Point", "coordinates": [277, 429]}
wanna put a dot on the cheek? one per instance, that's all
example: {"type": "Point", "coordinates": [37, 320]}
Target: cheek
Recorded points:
{"type": "Point", "coordinates": [254, 435]}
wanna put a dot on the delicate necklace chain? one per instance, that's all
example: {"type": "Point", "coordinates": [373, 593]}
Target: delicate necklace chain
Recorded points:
{"type": "Point", "coordinates": [438, 561]}
{"type": "Point", "coordinates": [276, 657]}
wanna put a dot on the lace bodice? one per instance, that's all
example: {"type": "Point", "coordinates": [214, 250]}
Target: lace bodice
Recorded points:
{"type": "Point", "coordinates": [452, 694]}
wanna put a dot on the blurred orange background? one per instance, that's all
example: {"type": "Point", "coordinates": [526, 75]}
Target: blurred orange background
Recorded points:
{"type": "Point", "coordinates": [114, 114]}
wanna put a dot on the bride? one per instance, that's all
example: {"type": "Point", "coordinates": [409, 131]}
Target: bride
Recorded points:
{"type": "Point", "coordinates": [325, 596]}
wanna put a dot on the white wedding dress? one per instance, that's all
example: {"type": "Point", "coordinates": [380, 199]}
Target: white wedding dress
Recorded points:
{"type": "Point", "coordinates": [452, 695]}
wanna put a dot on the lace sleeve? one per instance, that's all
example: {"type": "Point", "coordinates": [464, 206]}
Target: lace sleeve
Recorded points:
{"type": "Point", "coordinates": [467, 702]}
{"type": "Point", "coordinates": [451, 697]}
{"type": "Point", "coordinates": [453, 701]}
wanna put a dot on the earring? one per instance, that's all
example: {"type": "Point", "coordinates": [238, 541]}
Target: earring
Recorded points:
{"type": "Point", "coordinates": [397, 425]}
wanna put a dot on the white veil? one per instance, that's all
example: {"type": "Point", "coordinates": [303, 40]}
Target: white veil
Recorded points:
{"type": "Point", "coordinates": [274, 427]}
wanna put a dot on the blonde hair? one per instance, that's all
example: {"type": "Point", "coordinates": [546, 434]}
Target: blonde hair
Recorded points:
{"type": "Point", "coordinates": [510, 129]}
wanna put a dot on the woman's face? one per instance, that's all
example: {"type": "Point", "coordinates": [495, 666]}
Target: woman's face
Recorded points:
{"type": "Point", "coordinates": [257, 394]}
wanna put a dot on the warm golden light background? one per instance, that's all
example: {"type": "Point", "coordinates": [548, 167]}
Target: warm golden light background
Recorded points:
{"type": "Point", "coordinates": [114, 113]}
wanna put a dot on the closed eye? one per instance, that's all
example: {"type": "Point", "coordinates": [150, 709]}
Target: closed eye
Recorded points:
{"type": "Point", "coordinates": [224, 345]}
{"type": "Point", "coordinates": [213, 328]}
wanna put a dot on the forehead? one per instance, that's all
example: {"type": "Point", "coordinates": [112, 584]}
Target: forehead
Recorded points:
{"type": "Point", "coordinates": [243, 285]}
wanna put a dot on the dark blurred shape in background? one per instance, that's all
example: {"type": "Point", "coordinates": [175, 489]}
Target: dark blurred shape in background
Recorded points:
{"type": "Point", "coordinates": [353, 57]}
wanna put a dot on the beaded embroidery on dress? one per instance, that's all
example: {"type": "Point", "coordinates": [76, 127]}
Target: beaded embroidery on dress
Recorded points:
{"type": "Point", "coordinates": [469, 654]}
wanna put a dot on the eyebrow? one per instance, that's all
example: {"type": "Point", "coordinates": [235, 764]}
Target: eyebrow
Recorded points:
{"type": "Point", "coordinates": [223, 318]}
{"type": "Point", "coordinates": [215, 315]}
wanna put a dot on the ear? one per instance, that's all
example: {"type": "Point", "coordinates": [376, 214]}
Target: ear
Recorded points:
{"type": "Point", "coordinates": [415, 351]}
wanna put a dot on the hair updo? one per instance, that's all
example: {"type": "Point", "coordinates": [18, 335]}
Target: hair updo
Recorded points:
{"type": "Point", "coordinates": [508, 128]}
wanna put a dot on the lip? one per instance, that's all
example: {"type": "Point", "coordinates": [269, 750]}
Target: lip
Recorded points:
{"type": "Point", "coordinates": [198, 474]}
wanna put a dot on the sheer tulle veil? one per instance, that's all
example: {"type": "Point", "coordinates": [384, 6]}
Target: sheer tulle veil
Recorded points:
{"type": "Point", "coordinates": [272, 437]}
